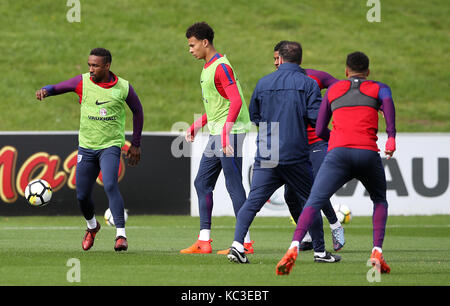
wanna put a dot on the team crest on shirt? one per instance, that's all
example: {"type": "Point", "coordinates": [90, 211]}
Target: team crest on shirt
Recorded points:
{"type": "Point", "coordinates": [103, 112]}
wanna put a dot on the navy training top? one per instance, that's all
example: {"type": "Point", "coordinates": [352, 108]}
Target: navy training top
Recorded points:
{"type": "Point", "coordinates": [282, 105]}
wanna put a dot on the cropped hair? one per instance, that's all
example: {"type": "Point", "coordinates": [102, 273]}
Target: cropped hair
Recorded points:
{"type": "Point", "coordinates": [200, 30]}
{"type": "Point", "coordinates": [103, 53]}
{"type": "Point", "coordinates": [357, 62]}
{"type": "Point", "coordinates": [291, 51]}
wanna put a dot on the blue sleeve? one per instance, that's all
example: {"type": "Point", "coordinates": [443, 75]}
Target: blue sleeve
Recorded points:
{"type": "Point", "coordinates": [254, 107]}
{"type": "Point", "coordinates": [50, 89]}
{"type": "Point", "coordinates": [314, 99]}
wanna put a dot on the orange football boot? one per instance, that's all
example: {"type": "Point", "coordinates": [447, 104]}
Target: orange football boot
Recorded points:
{"type": "Point", "coordinates": [286, 264]}
{"type": "Point", "coordinates": [379, 263]}
{"type": "Point", "coordinates": [248, 247]}
{"type": "Point", "coordinates": [199, 247]}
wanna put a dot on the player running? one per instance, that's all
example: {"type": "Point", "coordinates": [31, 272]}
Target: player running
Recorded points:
{"type": "Point", "coordinates": [102, 96]}
{"type": "Point", "coordinates": [228, 122]}
{"type": "Point", "coordinates": [317, 151]}
{"type": "Point", "coordinates": [281, 105]}
{"type": "Point", "coordinates": [352, 152]}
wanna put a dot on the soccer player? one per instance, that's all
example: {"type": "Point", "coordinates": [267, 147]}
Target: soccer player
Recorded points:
{"type": "Point", "coordinates": [228, 122]}
{"type": "Point", "coordinates": [352, 152]}
{"type": "Point", "coordinates": [103, 97]}
{"type": "Point", "coordinates": [317, 151]}
{"type": "Point", "coordinates": [281, 105]}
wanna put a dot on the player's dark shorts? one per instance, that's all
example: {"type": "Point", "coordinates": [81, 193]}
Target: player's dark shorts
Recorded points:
{"type": "Point", "coordinates": [343, 164]}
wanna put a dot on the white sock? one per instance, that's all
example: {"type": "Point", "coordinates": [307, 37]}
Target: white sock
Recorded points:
{"type": "Point", "coordinates": [91, 224]}
{"type": "Point", "coordinates": [204, 235]}
{"type": "Point", "coordinates": [247, 238]}
{"type": "Point", "coordinates": [335, 225]}
{"type": "Point", "coordinates": [320, 254]}
{"type": "Point", "coordinates": [294, 243]}
{"type": "Point", "coordinates": [238, 246]}
{"type": "Point", "coordinates": [121, 232]}
{"type": "Point", "coordinates": [378, 249]}
{"type": "Point", "coordinates": [307, 238]}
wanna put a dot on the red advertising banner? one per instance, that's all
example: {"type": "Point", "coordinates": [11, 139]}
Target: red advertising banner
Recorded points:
{"type": "Point", "coordinates": [158, 185]}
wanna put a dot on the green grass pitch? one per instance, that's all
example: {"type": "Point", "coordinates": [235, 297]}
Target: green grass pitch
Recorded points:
{"type": "Point", "coordinates": [35, 251]}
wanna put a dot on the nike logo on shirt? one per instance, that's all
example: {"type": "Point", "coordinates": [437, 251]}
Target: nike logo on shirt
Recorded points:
{"type": "Point", "coordinates": [100, 103]}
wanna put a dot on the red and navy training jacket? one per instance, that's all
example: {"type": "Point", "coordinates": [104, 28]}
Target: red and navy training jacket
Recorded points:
{"type": "Point", "coordinates": [354, 106]}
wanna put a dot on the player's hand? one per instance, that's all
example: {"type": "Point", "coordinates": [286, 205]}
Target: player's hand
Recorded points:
{"type": "Point", "coordinates": [388, 154]}
{"type": "Point", "coordinates": [228, 150]}
{"type": "Point", "coordinates": [41, 94]}
{"type": "Point", "coordinates": [189, 137]}
{"type": "Point", "coordinates": [390, 147]}
{"type": "Point", "coordinates": [133, 155]}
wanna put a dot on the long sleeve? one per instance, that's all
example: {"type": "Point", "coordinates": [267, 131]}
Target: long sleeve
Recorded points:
{"type": "Point", "coordinates": [74, 84]}
{"type": "Point", "coordinates": [324, 118]}
{"type": "Point", "coordinates": [198, 124]}
{"type": "Point", "coordinates": [225, 81]}
{"type": "Point", "coordinates": [385, 96]}
{"type": "Point", "coordinates": [135, 106]}
{"type": "Point", "coordinates": [254, 108]}
{"type": "Point", "coordinates": [313, 101]}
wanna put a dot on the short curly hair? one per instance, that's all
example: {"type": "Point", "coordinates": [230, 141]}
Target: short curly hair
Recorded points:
{"type": "Point", "coordinates": [200, 30]}
{"type": "Point", "coordinates": [102, 52]}
{"type": "Point", "coordinates": [357, 62]}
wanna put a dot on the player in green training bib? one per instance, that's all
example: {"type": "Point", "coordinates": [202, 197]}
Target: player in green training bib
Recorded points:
{"type": "Point", "coordinates": [103, 97]}
{"type": "Point", "coordinates": [228, 121]}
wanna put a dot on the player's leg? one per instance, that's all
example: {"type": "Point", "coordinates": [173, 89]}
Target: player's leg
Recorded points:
{"type": "Point", "coordinates": [265, 182]}
{"type": "Point", "coordinates": [87, 172]}
{"type": "Point", "coordinates": [299, 176]}
{"type": "Point", "coordinates": [232, 170]}
{"type": "Point", "coordinates": [317, 154]}
{"type": "Point", "coordinates": [109, 165]}
{"type": "Point", "coordinates": [295, 205]}
{"type": "Point", "coordinates": [333, 174]}
{"type": "Point", "coordinates": [204, 183]}
{"type": "Point", "coordinates": [372, 176]}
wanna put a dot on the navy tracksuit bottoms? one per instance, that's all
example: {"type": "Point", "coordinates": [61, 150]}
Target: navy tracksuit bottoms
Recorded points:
{"type": "Point", "coordinates": [265, 182]}
{"type": "Point", "coordinates": [89, 164]}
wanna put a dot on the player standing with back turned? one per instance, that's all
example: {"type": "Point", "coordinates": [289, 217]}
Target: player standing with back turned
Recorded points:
{"type": "Point", "coordinates": [352, 152]}
{"type": "Point", "coordinates": [317, 152]}
{"type": "Point", "coordinates": [102, 96]}
{"type": "Point", "coordinates": [228, 122]}
{"type": "Point", "coordinates": [282, 104]}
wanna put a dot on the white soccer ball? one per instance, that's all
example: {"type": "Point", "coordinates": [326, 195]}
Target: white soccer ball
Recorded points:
{"type": "Point", "coordinates": [109, 218]}
{"type": "Point", "coordinates": [343, 213]}
{"type": "Point", "coordinates": [38, 193]}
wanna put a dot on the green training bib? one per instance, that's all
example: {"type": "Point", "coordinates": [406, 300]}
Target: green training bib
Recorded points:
{"type": "Point", "coordinates": [217, 107]}
{"type": "Point", "coordinates": [102, 118]}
